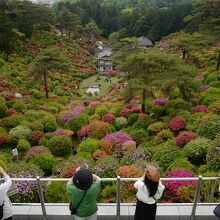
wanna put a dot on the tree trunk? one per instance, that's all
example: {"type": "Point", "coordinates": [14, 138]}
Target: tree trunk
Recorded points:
{"type": "Point", "coordinates": [184, 54]}
{"type": "Point", "coordinates": [143, 100]}
{"type": "Point", "coordinates": [218, 62]}
{"type": "Point", "coordinates": [45, 84]}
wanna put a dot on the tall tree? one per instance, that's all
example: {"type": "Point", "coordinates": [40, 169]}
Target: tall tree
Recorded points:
{"type": "Point", "coordinates": [154, 68]}
{"type": "Point", "coordinates": [48, 60]}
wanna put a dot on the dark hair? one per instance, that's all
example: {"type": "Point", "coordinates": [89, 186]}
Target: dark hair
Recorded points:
{"type": "Point", "coordinates": [151, 186]}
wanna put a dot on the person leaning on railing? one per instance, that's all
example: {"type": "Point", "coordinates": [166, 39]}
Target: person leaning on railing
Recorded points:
{"type": "Point", "coordinates": [149, 189]}
{"type": "Point", "coordinates": [82, 191]}
{"type": "Point", "coordinates": [4, 200]}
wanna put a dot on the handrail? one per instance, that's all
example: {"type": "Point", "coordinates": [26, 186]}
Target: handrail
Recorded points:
{"type": "Point", "coordinates": [118, 181]}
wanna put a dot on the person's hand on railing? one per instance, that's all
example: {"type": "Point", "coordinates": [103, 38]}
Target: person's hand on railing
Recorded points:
{"type": "Point", "coordinates": [95, 177]}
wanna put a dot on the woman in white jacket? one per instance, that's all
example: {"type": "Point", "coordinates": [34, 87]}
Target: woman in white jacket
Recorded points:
{"type": "Point", "coordinates": [4, 200]}
{"type": "Point", "coordinates": [149, 189]}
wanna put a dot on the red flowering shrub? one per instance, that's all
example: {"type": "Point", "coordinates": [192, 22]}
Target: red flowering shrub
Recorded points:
{"type": "Point", "coordinates": [129, 172]}
{"type": "Point", "coordinates": [106, 146]}
{"type": "Point", "coordinates": [98, 129]}
{"type": "Point", "coordinates": [136, 110]}
{"type": "Point", "coordinates": [125, 112]}
{"type": "Point", "coordinates": [178, 123]}
{"type": "Point", "coordinates": [128, 144]}
{"type": "Point", "coordinates": [69, 170]}
{"type": "Point", "coordinates": [110, 118]}
{"type": "Point", "coordinates": [10, 111]}
{"type": "Point", "coordinates": [174, 187]}
{"type": "Point", "coordinates": [8, 96]}
{"type": "Point", "coordinates": [35, 137]}
{"type": "Point", "coordinates": [199, 108]}
{"type": "Point", "coordinates": [99, 154]}
{"type": "Point", "coordinates": [183, 138]}
{"type": "Point", "coordinates": [36, 151]}
{"type": "Point", "coordinates": [83, 132]}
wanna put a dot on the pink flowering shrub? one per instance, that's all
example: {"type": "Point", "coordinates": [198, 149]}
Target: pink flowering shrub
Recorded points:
{"type": "Point", "coordinates": [178, 123]}
{"type": "Point", "coordinates": [204, 87]}
{"type": "Point", "coordinates": [183, 138]}
{"type": "Point", "coordinates": [10, 111]}
{"type": "Point", "coordinates": [199, 108]}
{"type": "Point", "coordinates": [109, 117]}
{"type": "Point", "coordinates": [36, 151]}
{"type": "Point", "coordinates": [174, 187]}
{"type": "Point", "coordinates": [35, 137]}
{"type": "Point", "coordinates": [128, 144]}
{"type": "Point", "coordinates": [94, 104]}
{"type": "Point", "coordinates": [61, 131]}
{"type": "Point", "coordinates": [160, 101]}
{"type": "Point", "coordinates": [125, 112]}
{"type": "Point", "coordinates": [8, 96]}
{"type": "Point", "coordinates": [83, 132]}
{"type": "Point", "coordinates": [135, 110]}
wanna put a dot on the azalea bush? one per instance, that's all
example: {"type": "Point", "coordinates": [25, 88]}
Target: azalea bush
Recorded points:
{"type": "Point", "coordinates": [163, 136]}
{"type": "Point", "coordinates": [199, 108]}
{"type": "Point", "coordinates": [174, 188]}
{"type": "Point", "coordinates": [120, 122]}
{"type": "Point", "coordinates": [89, 145]}
{"type": "Point", "coordinates": [209, 96]}
{"type": "Point", "coordinates": [160, 101]}
{"type": "Point", "coordinates": [98, 129]}
{"type": "Point", "coordinates": [156, 127]}
{"type": "Point", "coordinates": [133, 118]}
{"type": "Point", "coordinates": [23, 145]}
{"type": "Point", "coordinates": [19, 132]}
{"type": "Point", "coordinates": [4, 136]}
{"type": "Point", "coordinates": [60, 146]}
{"type": "Point", "coordinates": [178, 123]}
{"type": "Point", "coordinates": [35, 137]}
{"type": "Point", "coordinates": [106, 146]}
{"type": "Point", "coordinates": [183, 138]}
{"type": "Point", "coordinates": [109, 118]}
{"type": "Point", "coordinates": [196, 150]}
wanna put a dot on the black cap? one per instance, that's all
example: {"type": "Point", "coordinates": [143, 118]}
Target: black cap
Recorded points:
{"type": "Point", "coordinates": [83, 179]}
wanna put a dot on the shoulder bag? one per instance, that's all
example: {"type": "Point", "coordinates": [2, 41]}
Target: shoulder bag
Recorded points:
{"type": "Point", "coordinates": [216, 211]}
{"type": "Point", "coordinates": [72, 209]}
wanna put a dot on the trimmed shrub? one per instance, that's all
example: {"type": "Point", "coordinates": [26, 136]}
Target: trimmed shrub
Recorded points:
{"type": "Point", "coordinates": [60, 146]}
{"type": "Point", "coordinates": [199, 108]}
{"type": "Point", "coordinates": [37, 126]}
{"type": "Point", "coordinates": [56, 192]}
{"type": "Point", "coordinates": [177, 105]}
{"type": "Point", "coordinates": [120, 122]}
{"type": "Point", "coordinates": [35, 137]}
{"type": "Point", "coordinates": [23, 145]}
{"type": "Point", "coordinates": [98, 154]}
{"type": "Point", "coordinates": [45, 162]}
{"type": "Point", "coordinates": [36, 151]}
{"type": "Point", "coordinates": [4, 136]}
{"type": "Point", "coordinates": [213, 158]}
{"type": "Point", "coordinates": [109, 118]}
{"type": "Point", "coordinates": [160, 101]}
{"type": "Point", "coordinates": [10, 111]}
{"type": "Point", "coordinates": [101, 111]}
{"type": "Point", "coordinates": [3, 109]}
{"type": "Point", "coordinates": [139, 135]}
{"type": "Point", "coordinates": [196, 150]}
{"type": "Point", "coordinates": [76, 123]}
{"type": "Point", "coordinates": [178, 123]}
{"type": "Point", "coordinates": [156, 127]}
{"type": "Point", "coordinates": [181, 163]}
{"type": "Point", "coordinates": [106, 167]}
{"type": "Point", "coordinates": [98, 129]}
{"type": "Point", "coordinates": [163, 137]}
{"type": "Point", "coordinates": [133, 118]}
{"type": "Point", "coordinates": [210, 96]}
{"type": "Point", "coordinates": [193, 121]}
{"type": "Point", "coordinates": [165, 154]}
{"type": "Point", "coordinates": [209, 128]}
{"type": "Point", "coordinates": [19, 132]}
{"type": "Point", "coordinates": [106, 146]}
{"type": "Point", "coordinates": [184, 137]}
{"type": "Point", "coordinates": [128, 144]}
{"type": "Point", "coordinates": [125, 112]}
{"type": "Point", "coordinates": [89, 145]}
{"type": "Point", "coordinates": [50, 125]}
{"type": "Point", "coordinates": [19, 107]}
{"type": "Point", "coordinates": [12, 121]}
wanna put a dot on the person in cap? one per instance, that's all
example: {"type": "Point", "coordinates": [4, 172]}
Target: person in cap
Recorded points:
{"type": "Point", "coordinates": [83, 189]}
{"type": "Point", "coordinates": [149, 189]}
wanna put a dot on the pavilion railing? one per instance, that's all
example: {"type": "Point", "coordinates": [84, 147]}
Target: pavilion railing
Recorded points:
{"type": "Point", "coordinates": [118, 181]}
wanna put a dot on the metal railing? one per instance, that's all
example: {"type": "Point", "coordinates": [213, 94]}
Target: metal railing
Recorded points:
{"type": "Point", "coordinates": [118, 181]}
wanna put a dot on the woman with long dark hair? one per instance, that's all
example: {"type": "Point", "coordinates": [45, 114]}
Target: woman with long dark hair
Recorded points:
{"type": "Point", "coordinates": [149, 189]}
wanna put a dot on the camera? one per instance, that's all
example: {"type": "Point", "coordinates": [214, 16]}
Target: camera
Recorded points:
{"type": "Point", "coordinates": [84, 166]}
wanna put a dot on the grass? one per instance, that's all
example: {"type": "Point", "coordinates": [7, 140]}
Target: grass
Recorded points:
{"type": "Point", "coordinates": [91, 81]}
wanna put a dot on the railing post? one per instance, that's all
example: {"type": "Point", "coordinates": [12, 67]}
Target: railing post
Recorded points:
{"type": "Point", "coordinates": [197, 194]}
{"type": "Point", "coordinates": [41, 196]}
{"type": "Point", "coordinates": [118, 197]}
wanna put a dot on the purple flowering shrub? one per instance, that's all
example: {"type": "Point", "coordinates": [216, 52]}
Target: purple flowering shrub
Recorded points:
{"type": "Point", "coordinates": [178, 123]}
{"type": "Point", "coordinates": [204, 87]}
{"type": "Point", "coordinates": [176, 188]}
{"type": "Point", "coordinates": [160, 101]}
{"type": "Point", "coordinates": [36, 151]}
{"type": "Point", "coordinates": [28, 191]}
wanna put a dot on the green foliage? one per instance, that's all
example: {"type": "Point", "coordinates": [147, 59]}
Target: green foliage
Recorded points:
{"type": "Point", "coordinates": [3, 108]}
{"type": "Point", "coordinates": [213, 156]}
{"type": "Point", "coordinates": [156, 127]}
{"type": "Point", "coordinates": [209, 128]}
{"type": "Point", "coordinates": [37, 126]}
{"type": "Point", "coordinates": [163, 136]}
{"type": "Point", "coordinates": [120, 123]}
{"type": "Point", "coordinates": [19, 107]}
{"type": "Point", "coordinates": [209, 96]}
{"type": "Point", "coordinates": [45, 162]}
{"type": "Point", "coordinates": [60, 146]}
{"type": "Point", "coordinates": [23, 145]}
{"type": "Point", "coordinates": [89, 145]}
{"type": "Point", "coordinates": [132, 118]}
{"type": "Point", "coordinates": [56, 192]}
{"type": "Point", "coordinates": [50, 125]}
{"type": "Point", "coordinates": [196, 150]}
{"type": "Point", "coordinates": [165, 154]}
{"type": "Point", "coordinates": [139, 135]}
{"type": "Point", "coordinates": [193, 121]}
{"type": "Point", "coordinates": [19, 132]}
{"type": "Point", "coordinates": [76, 123]}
